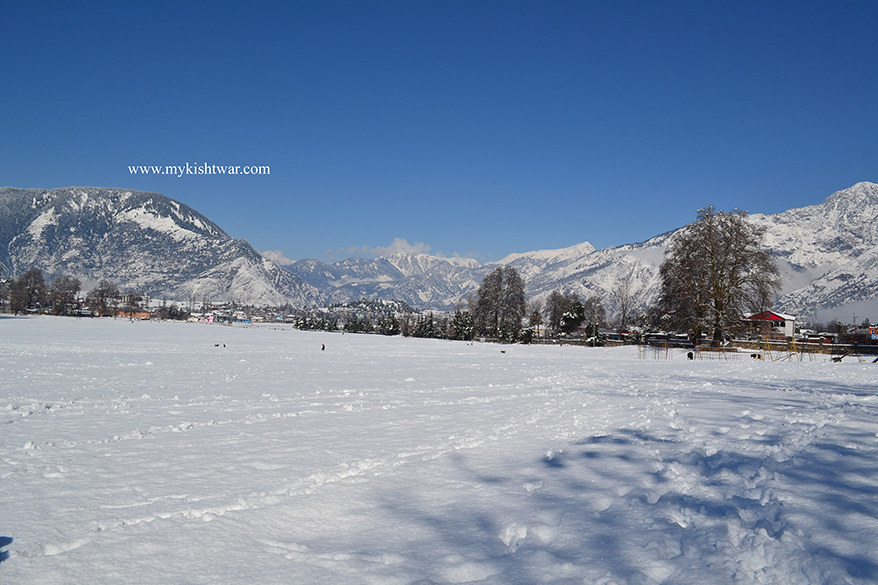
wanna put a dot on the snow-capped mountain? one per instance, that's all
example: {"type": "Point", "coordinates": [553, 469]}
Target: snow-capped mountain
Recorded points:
{"type": "Point", "coordinates": [827, 255]}
{"type": "Point", "coordinates": [420, 280]}
{"type": "Point", "coordinates": [441, 283]}
{"type": "Point", "coordinates": [141, 241]}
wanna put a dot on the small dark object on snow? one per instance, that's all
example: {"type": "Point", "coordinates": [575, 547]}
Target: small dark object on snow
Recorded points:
{"type": "Point", "coordinates": [690, 355]}
{"type": "Point", "coordinates": [322, 346]}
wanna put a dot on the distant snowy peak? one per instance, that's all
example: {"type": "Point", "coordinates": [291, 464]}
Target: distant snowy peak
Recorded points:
{"type": "Point", "coordinates": [410, 264]}
{"type": "Point", "coordinates": [549, 256]}
{"type": "Point", "coordinates": [854, 199]}
{"type": "Point", "coordinates": [427, 266]}
{"type": "Point", "coordinates": [420, 280]}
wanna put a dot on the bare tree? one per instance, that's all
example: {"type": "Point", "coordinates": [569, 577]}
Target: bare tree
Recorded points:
{"type": "Point", "coordinates": [28, 291]}
{"type": "Point", "coordinates": [4, 289]}
{"type": "Point", "coordinates": [105, 295]}
{"type": "Point", "coordinates": [593, 311]}
{"type": "Point", "coordinates": [622, 296]}
{"type": "Point", "coordinates": [499, 305]}
{"type": "Point", "coordinates": [486, 303]}
{"type": "Point", "coordinates": [556, 305]}
{"type": "Point", "coordinates": [131, 299]}
{"type": "Point", "coordinates": [535, 312]}
{"type": "Point", "coordinates": [62, 293]}
{"type": "Point", "coordinates": [715, 270]}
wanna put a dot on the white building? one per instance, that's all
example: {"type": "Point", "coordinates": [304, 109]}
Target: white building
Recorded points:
{"type": "Point", "coordinates": [772, 325]}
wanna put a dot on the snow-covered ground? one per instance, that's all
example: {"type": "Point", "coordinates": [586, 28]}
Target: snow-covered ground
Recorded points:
{"type": "Point", "coordinates": [189, 453]}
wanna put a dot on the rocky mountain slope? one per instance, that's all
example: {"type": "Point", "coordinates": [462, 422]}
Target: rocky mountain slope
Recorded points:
{"type": "Point", "coordinates": [420, 280]}
{"type": "Point", "coordinates": [828, 253]}
{"type": "Point", "coordinates": [141, 241]}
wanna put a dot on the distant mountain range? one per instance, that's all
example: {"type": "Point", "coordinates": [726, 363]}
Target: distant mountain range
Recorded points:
{"type": "Point", "coordinates": [827, 253]}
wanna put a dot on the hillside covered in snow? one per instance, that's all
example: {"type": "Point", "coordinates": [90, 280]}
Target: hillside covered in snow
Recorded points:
{"type": "Point", "coordinates": [141, 241]}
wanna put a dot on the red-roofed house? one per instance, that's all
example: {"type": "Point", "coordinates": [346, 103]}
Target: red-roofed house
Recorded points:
{"type": "Point", "coordinates": [772, 325]}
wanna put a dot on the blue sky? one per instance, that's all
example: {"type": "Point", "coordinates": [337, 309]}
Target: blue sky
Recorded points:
{"type": "Point", "coordinates": [471, 128]}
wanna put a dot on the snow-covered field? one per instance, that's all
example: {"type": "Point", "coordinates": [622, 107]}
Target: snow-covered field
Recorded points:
{"type": "Point", "coordinates": [188, 453]}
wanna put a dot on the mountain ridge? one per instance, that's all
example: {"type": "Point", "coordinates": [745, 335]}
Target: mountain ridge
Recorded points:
{"type": "Point", "coordinates": [827, 254]}
{"type": "Point", "coordinates": [823, 253]}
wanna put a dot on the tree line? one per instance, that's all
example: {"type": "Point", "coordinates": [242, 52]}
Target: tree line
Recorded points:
{"type": "Point", "coordinates": [30, 293]}
{"type": "Point", "coordinates": [458, 326]}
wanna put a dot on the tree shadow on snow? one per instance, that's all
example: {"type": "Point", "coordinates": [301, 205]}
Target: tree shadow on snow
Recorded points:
{"type": "Point", "coordinates": [632, 505]}
{"type": "Point", "coordinates": [4, 542]}
{"type": "Point", "coordinates": [742, 512]}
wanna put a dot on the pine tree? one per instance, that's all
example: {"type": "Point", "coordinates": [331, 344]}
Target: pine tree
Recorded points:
{"type": "Point", "coordinates": [462, 326]}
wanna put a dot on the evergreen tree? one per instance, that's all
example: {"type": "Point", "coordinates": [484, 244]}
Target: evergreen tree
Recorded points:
{"type": "Point", "coordinates": [572, 317]}
{"type": "Point", "coordinates": [388, 325]}
{"type": "Point", "coordinates": [425, 327]}
{"type": "Point", "coordinates": [407, 324]}
{"type": "Point", "coordinates": [353, 325]}
{"type": "Point", "coordinates": [462, 326]}
{"type": "Point", "coordinates": [442, 327]}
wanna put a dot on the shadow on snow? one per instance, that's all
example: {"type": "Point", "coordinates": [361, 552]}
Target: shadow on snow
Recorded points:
{"type": "Point", "coordinates": [4, 542]}
{"type": "Point", "coordinates": [633, 506]}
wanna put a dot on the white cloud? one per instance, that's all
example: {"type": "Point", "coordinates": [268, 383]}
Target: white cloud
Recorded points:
{"type": "Point", "coordinates": [399, 245]}
{"type": "Point", "coordinates": [278, 257]}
